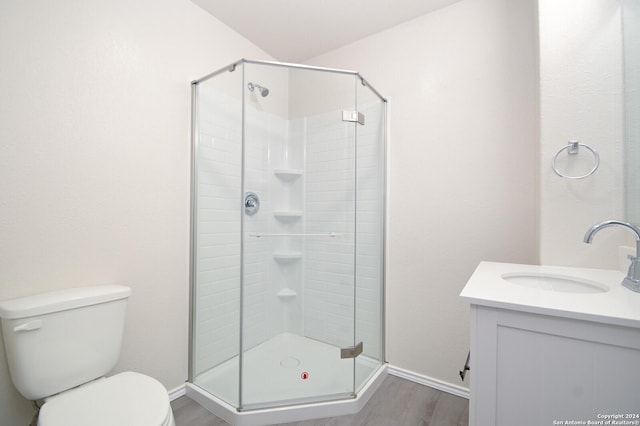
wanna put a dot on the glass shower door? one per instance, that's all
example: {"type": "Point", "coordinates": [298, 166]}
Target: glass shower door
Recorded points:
{"type": "Point", "coordinates": [216, 243]}
{"type": "Point", "coordinates": [370, 199]}
{"type": "Point", "coordinates": [298, 244]}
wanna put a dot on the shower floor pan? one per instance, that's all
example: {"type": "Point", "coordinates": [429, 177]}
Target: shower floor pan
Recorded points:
{"type": "Point", "coordinates": [287, 369]}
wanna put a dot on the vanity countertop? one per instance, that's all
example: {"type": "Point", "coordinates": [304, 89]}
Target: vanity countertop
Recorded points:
{"type": "Point", "coordinates": [617, 306]}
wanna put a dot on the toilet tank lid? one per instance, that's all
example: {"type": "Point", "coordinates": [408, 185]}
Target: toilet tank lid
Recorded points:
{"type": "Point", "coordinates": [61, 300]}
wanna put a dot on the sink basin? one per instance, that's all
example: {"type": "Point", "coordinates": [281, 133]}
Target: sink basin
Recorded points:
{"type": "Point", "coordinates": [554, 282]}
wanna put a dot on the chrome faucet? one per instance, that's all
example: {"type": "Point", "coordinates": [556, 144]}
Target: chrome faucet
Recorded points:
{"type": "Point", "coordinates": [632, 280]}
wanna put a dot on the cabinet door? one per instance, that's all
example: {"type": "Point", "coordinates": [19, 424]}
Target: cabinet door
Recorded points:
{"type": "Point", "coordinates": [552, 369]}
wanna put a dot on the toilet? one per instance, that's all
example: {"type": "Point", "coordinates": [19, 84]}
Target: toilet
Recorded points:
{"type": "Point", "coordinates": [59, 347]}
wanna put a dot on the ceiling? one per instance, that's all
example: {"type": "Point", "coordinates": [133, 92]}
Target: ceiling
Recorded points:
{"type": "Point", "coordinates": [296, 30]}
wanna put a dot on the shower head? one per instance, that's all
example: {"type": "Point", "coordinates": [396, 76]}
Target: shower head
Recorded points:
{"type": "Point", "coordinates": [263, 90]}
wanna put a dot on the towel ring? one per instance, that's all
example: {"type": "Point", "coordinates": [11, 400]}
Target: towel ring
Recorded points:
{"type": "Point", "coordinates": [573, 147]}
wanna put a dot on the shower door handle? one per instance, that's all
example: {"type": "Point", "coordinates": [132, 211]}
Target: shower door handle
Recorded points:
{"type": "Point", "coordinates": [351, 351]}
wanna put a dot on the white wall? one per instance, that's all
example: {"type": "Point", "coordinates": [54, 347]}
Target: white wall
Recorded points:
{"type": "Point", "coordinates": [94, 161]}
{"type": "Point", "coordinates": [631, 27]}
{"type": "Point", "coordinates": [581, 98]}
{"type": "Point", "coordinates": [462, 85]}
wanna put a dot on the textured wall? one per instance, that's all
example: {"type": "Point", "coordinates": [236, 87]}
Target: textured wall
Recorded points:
{"type": "Point", "coordinates": [462, 164]}
{"type": "Point", "coordinates": [581, 98]}
{"type": "Point", "coordinates": [94, 161]}
{"type": "Point", "coordinates": [631, 28]}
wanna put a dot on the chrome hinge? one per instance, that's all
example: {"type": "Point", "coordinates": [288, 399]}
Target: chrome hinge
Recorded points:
{"type": "Point", "coordinates": [351, 351]}
{"type": "Point", "coordinates": [354, 116]}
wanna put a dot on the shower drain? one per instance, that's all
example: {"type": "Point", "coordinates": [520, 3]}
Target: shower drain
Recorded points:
{"type": "Point", "coordinates": [289, 362]}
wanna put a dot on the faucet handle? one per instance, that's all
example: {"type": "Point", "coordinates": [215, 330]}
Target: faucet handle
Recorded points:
{"type": "Point", "coordinates": [632, 257]}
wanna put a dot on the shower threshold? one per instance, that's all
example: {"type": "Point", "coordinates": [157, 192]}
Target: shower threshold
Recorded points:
{"type": "Point", "coordinates": [287, 373]}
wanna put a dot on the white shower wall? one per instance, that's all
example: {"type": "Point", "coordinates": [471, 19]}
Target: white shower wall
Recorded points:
{"type": "Point", "coordinates": [322, 279]}
{"type": "Point", "coordinates": [216, 330]}
{"type": "Point", "coordinates": [329, 207]}
{"type": "Point", "coordinates": [344, 184]}
{"type": "Point", "coordinates": [218, 224]}
{"type": "Point", "coordinates": [265, 135]}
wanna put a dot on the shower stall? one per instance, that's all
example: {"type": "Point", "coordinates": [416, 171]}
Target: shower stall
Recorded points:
{"type": "Point", "coordinates": [287, 242]}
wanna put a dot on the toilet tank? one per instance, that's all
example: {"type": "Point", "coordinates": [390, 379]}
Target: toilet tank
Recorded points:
{"type": "Point", "coordinates": [58, 340]}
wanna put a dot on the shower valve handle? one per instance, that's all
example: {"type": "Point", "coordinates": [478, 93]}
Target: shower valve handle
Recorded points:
{"type": "Point", "coordinates": [251, 203]}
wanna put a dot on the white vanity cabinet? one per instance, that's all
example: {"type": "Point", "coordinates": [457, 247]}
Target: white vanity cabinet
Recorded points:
{"type": "Point", "coordinates": [544, 358]}
{"type": "Point", "coordinates": [530, 369]}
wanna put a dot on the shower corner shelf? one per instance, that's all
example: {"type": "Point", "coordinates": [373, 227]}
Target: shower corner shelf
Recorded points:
{"type": "Point", "coordinates": [285, 255]}
{"type": "Point", "coordinates": [287, 214]}
{"type": "Point", "coordinates": [288, 174]}
{"type": "Point", "coordinates": [286, 293]}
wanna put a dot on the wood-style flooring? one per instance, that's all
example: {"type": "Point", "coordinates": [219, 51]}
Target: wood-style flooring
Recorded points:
{"type": "Point", "coordinates": [396, 402]}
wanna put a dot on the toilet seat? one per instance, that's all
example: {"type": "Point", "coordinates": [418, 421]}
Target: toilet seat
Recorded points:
{"type": "Point", "coordinates": [126, 399]}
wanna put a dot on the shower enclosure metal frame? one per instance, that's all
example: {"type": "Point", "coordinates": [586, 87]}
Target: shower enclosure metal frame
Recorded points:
{"type": "Point", "coordinates": [350, 352]}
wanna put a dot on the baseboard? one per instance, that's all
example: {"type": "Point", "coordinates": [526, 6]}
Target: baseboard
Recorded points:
{"type": "Point", "coordinates": [428, 381]}
{"type": "Point", "coordinates": [177, 392]}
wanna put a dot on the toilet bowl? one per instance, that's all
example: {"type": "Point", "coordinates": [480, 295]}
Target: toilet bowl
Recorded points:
{"type": "Point", "coordinates": [61, 344]}
{"type": "Point", "coordinates": [125, 399]}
